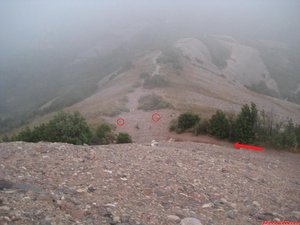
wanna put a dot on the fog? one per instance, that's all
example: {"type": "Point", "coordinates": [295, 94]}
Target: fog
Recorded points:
{"type": "Point", "coordinates": [31, 25]}
{"type": "Point", "coordinates": [41, 41]}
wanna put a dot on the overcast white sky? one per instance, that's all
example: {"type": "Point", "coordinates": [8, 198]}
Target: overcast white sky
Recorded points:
{"type": "Point", "coordinates": [29, 24]}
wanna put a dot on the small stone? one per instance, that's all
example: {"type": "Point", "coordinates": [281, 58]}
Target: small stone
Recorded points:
{"type": "Point", "coordinates": [77, 213]}
{"type": "Point", "coordinates": [111, 205]}
{"type": "Point", "coordinates": [276, 219]}
{"type": "Point", "coordinates": [256, 204]}
{"type": "Point", "coordinates": [266, 216]}
{"type": "Point", "coordinates": [91, 189]}
{"type": "Point", "coordinates": [108, 171]}
{"type": "Point", "coordinates": [232, 205]}
{"type": "Point", "coordinates": [7, 218]}
{"type": "Point", "coordinates": [173, 218]}
{"type": "Point", "coordinates": [207, 205]}
{"type": "Point", "coordinates": [223, 201]}
{"type": "Point", "coordinates": [231, 214]}
{"type": "Point", "coordinates": [190, 221]}
{"type": "Point", "coordinates": [81, 190]}
{"type": "Point", "coordinates": [116, 219]}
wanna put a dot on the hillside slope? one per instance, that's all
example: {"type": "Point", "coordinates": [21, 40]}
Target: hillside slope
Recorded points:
{"type": "Point", "coordinates": [55, 183]}
{"type": "Point", "coordinates": [185, 77]}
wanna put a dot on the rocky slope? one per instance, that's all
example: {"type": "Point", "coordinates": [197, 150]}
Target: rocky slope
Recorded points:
{"type": "Point", "coordinates": [55, 183]}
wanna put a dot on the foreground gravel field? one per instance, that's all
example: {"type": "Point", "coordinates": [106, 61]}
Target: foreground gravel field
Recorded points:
{"type": "Point", "coordinates": [174, 183]}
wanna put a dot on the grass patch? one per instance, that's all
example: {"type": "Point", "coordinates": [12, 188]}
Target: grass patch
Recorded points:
{"type": "Point", "coordinates": [156, 81]}
{"type": "Point", "coordinates": [262, 89]}
{"type": "Point", "coordinates": [153, 102]}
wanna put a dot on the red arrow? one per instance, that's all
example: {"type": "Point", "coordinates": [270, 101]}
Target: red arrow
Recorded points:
{"type": "Point", "coordinates": [255, 148]}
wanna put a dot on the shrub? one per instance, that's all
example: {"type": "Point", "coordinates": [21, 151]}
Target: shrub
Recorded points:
{"type": "Point", "coordinates": [173, 125]}
{"type": "Point", "coordinates": [246, 124]}
{"type": "Point", "coordinates": [218, 125]}
{"type": "Point", "coordinates": [152, 102]}
{"type": "Point", "coordinates": [156, 81]}
{"type": "Point", "coordinates": [25, 135]}
{"type": "Point", "coordinates": [297, 133]}
{"type": "Point", "coordinates": [201, 127]}
{"type": "Point", "coordinates": [5, 138]}
{"type": "Point", "coordinates": [187, 120]}
{"type": "Point", "coordinates": [69, 128]}
{"type": "Point", "coordinates": [104, 135]}
{"type": "Point", "coordinates": [64, 127]}
{"type": "Point", "coordinates": [123, 138]}
{"type": "Point", "coordinates": [288, 138]}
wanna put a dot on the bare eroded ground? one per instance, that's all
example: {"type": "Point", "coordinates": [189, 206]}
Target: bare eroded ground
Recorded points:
{"type": "Point", "coordinates": [54, 183]}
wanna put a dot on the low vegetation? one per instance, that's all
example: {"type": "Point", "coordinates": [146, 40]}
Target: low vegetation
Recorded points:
{"type": "Point", "coordinates": [153, 102]}
{"type": "Point", "coordinates": [104, 135]}
{"type": "Point", "coordinates": [123, 138]}
{"type": "Point", "coordinates": [262, 89]}
{"type": "Point", "coordinates": [155, 81]}
{"type": "Point", "coordinates": [218, 125]}
{"type": "Point", "coordinates": [70, 128]}
{"type": "Point", "coordinates": [184, 122]}
{"type": "Point", "coordinates": [248, 127]}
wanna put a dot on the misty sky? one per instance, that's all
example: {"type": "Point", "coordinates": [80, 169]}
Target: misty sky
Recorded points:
{"type": "Point", "coordinates": [34, 25]}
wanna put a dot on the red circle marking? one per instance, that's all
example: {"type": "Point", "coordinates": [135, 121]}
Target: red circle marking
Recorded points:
{"type": "Point", "coordinates": [155, 117]}
{"type": "Point", "coordinates": [120, 121]}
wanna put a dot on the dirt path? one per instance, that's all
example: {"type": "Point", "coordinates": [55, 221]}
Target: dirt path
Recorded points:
{"type": "Point", "coordinates": [155, 64]}
{"type": "Point", "coordinates": [133, 99]}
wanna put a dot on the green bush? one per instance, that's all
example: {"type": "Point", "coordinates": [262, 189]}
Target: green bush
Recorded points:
{"type": "Point", "coordinates": [218, 125]}
{"type": "Point", "coordinates": [174, 126]}
{"type": "Point", "coordinates": [152, 102]}
{"type": "Point", "coordinates": [103, 135]}
{"type": "Point", "coordinates": [64, 127]}
{"type": "Point", "coordinates": [123, 138]}
{"type": "Point", "coordinates": [5, 138]}
{"type": "Point", "coordinates": [69, 128]}
{"type": "Point", "coordinates": [187, 121]}
{"type": "Point", "coordinates": [245, 126]}
{"type": "Point", "coordinates": [288, 138]}
{"type": "Point", "coordinates": [201, 127]}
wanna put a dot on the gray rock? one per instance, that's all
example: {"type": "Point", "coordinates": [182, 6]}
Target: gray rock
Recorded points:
{"type": "Point", "coordinates": [231, 214]}
{"type": "Point", "coordinates": [256, 204]}
{"type": "Point", "coordinates": [116, 219]}
{"type": "Point", "coordinates": [45, 222]}
{"type": "Point", "coordinates": [173, 218]}
{"type": "Point", "coordinates": [190, 221]}
{"type": "Point", "coordinates": [28, 187]}
{"type": "Point", "coordinates": [265, 216]}
{"type": "Point", "coordinates": [91, 189]}
{"type": "Point", "coordinates": [5, 184]}
{"type": "Point", "coordinates": [223, 201]}
{"type": "Point", "coordinates": [207, 205]}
